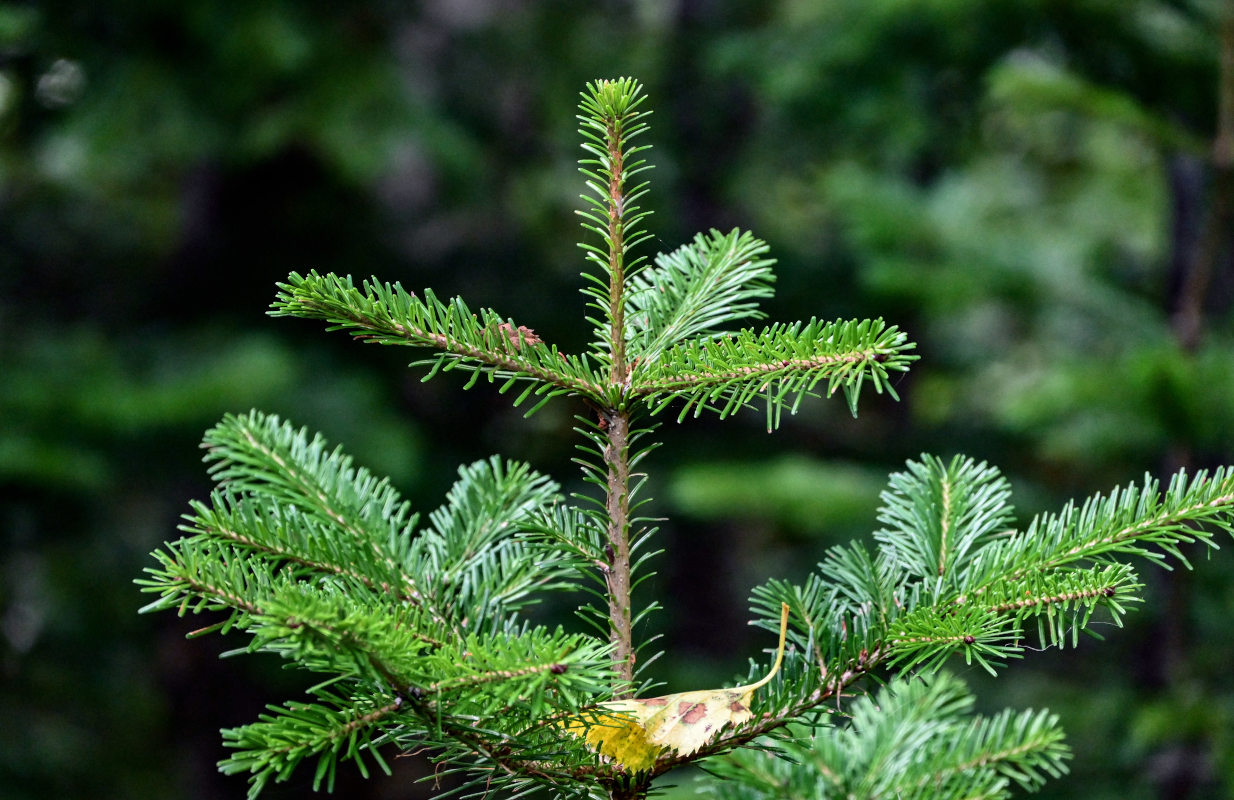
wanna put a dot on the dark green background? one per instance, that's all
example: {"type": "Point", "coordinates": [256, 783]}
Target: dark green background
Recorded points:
{"type": "Point", "coordinates": [1021, 184]}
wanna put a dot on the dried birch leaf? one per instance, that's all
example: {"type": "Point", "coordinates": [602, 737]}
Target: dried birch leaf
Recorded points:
{"type": "Point", "coordinates": [635, 732]}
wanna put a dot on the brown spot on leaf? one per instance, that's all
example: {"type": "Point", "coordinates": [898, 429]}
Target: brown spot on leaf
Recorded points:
{"type": "Point", "coordinates": [653, 701]}
{"type": "Point", "coordinates": [691, 712]}
{"type": "Point", "coordinates": [737, 707]}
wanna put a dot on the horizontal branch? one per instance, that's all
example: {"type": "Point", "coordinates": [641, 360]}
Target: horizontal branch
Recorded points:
{"type": "Point", "coordinates": [321, 630]}
{"type": "Point", "coordinates": [483, 341]}
{"type": "Point", "coordinates": [265, 456]}
{"type": "Point", "coordinates": [777, 366]}
{"type": "Point", "coordinates": [1174, 519]}
{"type": "Point", "coordinates": [1062, 598]}
{"type": "Point", "coordinates": [405, 593]}
{"type": "Point", "coordinates": [273, 746]}
{"type": "Point", "coordinates": [751, 371]}
{"type": "Point", "coordinates": [491, 676]}
{"type": "Point", "coordinates": [221, 594]}
{"type": "Point", "coordinates": [1129, 520]}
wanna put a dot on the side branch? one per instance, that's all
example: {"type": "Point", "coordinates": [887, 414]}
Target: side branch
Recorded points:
{"type": "Point", "coordinates": [499, 752]}
{"type": "Point", "coordinates": [300, 730]}
{"type": "Point", "coordinates": [1150, 530]}
{"type": "Point", "coordinates": [493, 358]}
{"type": "Point", "coordinates": [703, 376]}
{"type": "Point", "coordinates": [388, 314]}
{"type": "Point", "coordinates": [492, 676]}
{"type": "Point", "coordinates": [1054, 600]}
{"type": "Point", "coordinates": [405, 593]}
{"type": "Point", "coordinates": [1152, 525]}
{"type": "Point", "coordinates": [313, 493]}
{"type": "Point", "coordinates": [222, 595]}
{"type": "Point", "coordinates": [1006, 755]}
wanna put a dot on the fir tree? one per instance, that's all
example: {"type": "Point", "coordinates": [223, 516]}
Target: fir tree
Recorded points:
{"type": "Point", "coordinates": [420, 626]}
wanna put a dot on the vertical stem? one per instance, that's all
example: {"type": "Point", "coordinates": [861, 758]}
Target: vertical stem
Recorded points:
{"type": "Point", "coordinates": [616, 253]}
{"type": "Point", "coordinates": [617, 577]}
{"type": "Point", "coordinates": [616, 422]}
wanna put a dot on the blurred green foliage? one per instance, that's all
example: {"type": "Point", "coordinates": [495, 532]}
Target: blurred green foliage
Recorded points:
{"type": "Point", "coordinates": [1021, 184]}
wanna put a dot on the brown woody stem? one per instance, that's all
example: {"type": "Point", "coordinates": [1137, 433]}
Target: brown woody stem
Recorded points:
{"type": "Point", "coordinates": [616, 253]}
{"type": "Point", "coordinates": [615, 421]}
{"type": "Point", "coordinates": [617, 572]}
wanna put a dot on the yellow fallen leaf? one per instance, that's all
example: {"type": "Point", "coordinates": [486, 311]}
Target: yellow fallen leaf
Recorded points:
{"type": "Point", "coordinates": [635, 732]}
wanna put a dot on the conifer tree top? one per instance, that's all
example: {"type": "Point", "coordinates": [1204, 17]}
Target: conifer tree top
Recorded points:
{"type": "Point", "coordinates": [422, 624]}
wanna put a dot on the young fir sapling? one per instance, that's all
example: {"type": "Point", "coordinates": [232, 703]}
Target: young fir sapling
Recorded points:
{"type": "Point", "coordinates": [420, 627]}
